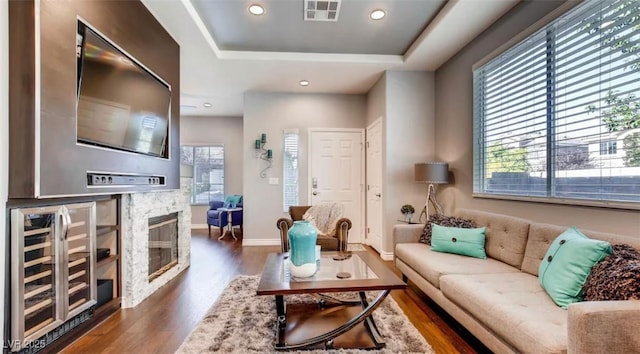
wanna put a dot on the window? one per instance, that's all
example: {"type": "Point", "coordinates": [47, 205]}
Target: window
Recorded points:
{"type": "Point", "coordinates": [208, 172]}
{"type": "Point", "coordinates": [290, 173]}
{"type": "Point", "coordinates": [548, 111]}
{"type": "Point", "coordinates": [608, 148]}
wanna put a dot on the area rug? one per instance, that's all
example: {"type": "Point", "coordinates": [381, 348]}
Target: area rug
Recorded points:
{"type": "Point", "coordinates": [243, 322]}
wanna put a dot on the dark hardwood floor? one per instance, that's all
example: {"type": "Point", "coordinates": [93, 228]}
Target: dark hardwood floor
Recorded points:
{"type": "Point", "coordinates": [162, 322]}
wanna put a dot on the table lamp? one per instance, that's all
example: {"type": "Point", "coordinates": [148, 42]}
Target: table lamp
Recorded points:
{"type": "Point", "coordinates": [433, 173]}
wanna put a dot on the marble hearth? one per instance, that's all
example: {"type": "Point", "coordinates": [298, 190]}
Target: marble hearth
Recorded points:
{"type": "Point", "coordinates": [136, 210]}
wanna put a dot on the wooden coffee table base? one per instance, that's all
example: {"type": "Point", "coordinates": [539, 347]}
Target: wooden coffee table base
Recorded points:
{"type": "Point", "coordinates": [331, 323]}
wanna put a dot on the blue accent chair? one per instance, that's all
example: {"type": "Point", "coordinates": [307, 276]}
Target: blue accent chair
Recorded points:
{"type": "Point", "coordinates": [220, 219]}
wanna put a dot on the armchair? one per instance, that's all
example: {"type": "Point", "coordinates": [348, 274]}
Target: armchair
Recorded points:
{"type": "Point", "coordinates": [219, 218]}
{"type": "Point", "coordinates": [336, 242]}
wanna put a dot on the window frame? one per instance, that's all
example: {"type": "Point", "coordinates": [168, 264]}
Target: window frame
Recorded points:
{"type": "Point", "coordinates": [285, 205]}
{"type": "Point", "coordinates": [609, 147]}
{"type": "Point", "coordinates": [192, 197]}
{"type": "Point", "coordinates": [480, 148]}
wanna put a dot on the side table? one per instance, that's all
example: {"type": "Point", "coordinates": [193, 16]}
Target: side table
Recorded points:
{"type": "Point", "coordinates": [409, 222]}
{"type": "Point", "coordinates": [229, 221]}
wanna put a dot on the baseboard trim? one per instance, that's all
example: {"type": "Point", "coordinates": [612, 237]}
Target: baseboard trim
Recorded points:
{"type": "Point", "coordinates": [261, 242]}
{"type": "Point", "coordinates": [386, 256]}
{"type": "Point", "coordinates": [199, 226]}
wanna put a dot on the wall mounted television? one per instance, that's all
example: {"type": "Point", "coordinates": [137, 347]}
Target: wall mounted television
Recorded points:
{"type": "Point", "coordinates": [120, 104]}
{"type": "Point", "coordinates": [94, 100]}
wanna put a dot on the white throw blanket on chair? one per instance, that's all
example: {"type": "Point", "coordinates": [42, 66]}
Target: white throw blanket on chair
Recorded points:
{"type": "Point", "coordinates": [324, 217]}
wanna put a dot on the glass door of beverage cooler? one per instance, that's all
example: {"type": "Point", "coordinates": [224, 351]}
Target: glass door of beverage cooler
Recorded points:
{"type": "Point", "coordinates": [35, 306]}
{"type": "Point", "coordinates": [53, 262]}
{"type": "Point", "coordinates": [78, 257]}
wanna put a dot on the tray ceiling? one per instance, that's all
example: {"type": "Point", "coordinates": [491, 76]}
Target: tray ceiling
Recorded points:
{"type": "Point", "coordinates": [214, 76]}
{"type": "Point", "coordinates": [282, 28]}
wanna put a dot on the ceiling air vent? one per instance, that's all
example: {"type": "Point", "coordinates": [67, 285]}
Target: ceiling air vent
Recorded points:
{"type": "Point", "coordinates": [321, 10]}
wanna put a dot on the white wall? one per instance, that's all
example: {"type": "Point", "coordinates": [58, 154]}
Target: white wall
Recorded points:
{"type": "Point", "coordinates": [271, 113]}
{"type": "Point", "coordinates": [405, 101]}
{"type": "Point", "coordinates": [216, 130]}
{"type": "Point", "coordinates": [408, 138]}
{"type": "Point", "coordinates": [377, 100]}
{"type": "Point", "coordinates": [454, 135]}
{"type": "Point", "coordinates": [4, 141]}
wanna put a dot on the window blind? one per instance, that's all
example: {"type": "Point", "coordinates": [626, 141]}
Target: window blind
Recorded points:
{"type": "Point", "coordinates": [558, 114]}
{"type": "Point", "coordinates": [290, 173]}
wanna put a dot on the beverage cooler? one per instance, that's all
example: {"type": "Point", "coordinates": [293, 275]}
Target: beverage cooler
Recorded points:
{"type": "Point", "coordinates": [52, 267]}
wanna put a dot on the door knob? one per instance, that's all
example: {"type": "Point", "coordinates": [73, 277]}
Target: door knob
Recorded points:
{"type": "Point", "coordinates": [314, 193]}
{"type": "Point", "coordinates": [378, 195]}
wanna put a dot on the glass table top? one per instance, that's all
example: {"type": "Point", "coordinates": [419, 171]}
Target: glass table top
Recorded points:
{"type": "Point", "coordinates": [329, 266]}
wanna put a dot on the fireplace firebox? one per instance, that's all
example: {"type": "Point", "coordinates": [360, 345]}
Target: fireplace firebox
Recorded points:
{"type": "Point", "coordinates": [163, 244]}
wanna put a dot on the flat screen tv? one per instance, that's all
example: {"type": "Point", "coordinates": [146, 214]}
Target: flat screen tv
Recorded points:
{"type": "Point", "coordinates": [121, 104]}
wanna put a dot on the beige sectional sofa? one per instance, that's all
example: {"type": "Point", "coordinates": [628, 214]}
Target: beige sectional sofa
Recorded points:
{"type": "Point", "coordinates": [499, 299]}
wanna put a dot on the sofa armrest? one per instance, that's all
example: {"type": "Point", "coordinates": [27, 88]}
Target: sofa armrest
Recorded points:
{"type": "Point", "coordinates": [604, 327]}
{"type": "Point", "coordinates": [342, 233]}
{"type": "Point", "coordinates": [406, 233]}
{"type": "Point", "coordinates": [284, 224]}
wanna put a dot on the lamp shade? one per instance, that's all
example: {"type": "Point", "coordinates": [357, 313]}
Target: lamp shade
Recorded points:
{"type": "Point", "coordinates": [432, 172]}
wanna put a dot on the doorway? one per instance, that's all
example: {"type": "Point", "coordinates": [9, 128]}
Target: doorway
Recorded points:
{"type": "Point", "coordinates": [336, 173]}
{"type": "Point", "coordinates": [374, 185]}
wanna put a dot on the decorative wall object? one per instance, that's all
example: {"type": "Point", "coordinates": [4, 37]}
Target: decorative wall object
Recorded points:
{"type": "Point", "coordinates": [263, 153]}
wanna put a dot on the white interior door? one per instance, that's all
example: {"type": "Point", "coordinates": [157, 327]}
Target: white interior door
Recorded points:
{"type": "Point", "coordinates": [336, 173]}
{"type": "Point", "coordinates": [374, 185]}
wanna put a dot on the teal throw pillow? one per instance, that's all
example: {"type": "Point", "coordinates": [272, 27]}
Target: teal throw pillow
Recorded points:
{"type": "Point", "coordinates": [232, 201]}
{"type": "Point", "coordinates": [567, 264]}
{"type": "Point", "coordinates": [466, 242]}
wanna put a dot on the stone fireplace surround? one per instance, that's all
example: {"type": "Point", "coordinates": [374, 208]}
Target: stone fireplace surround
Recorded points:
{"type": "Point", "coordinates": [136, 210]}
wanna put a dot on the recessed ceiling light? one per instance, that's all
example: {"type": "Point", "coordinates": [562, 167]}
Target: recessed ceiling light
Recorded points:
{"type": "Point", "coordinates": [304, 83]}
{"type": "Point", "coordinates": [207, 105]}
{"type": "Point", "coordinates": [377, 14]}
{"type": "Point", "coordinates": [256, 9]}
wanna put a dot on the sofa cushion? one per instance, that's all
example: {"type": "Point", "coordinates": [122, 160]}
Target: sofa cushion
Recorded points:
{"type": "Point", "coordinates": [514, 306]}
{"type": "Point", "coordinates": [327, 243]}
{"type": "Point", "coordinates": [541, 236]}
{"type": "Point", "coordinates": [432, 265]}
{"type": "Point", "coordinates": [443, 220]}
{"type": "Point", "coordinates": [617, 277]}
{"type": "Point", "coordinates": [456, 240]}
{"type": "Point", "coordinates": [506, 236]}
{"type": "Point", "coordinates": [567, 263]}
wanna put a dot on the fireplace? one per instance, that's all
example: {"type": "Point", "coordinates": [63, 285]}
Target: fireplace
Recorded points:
{"type": "Point", "coordinates": [144, 215]}
{"type": "Point", "coordinates": [163, 244]}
